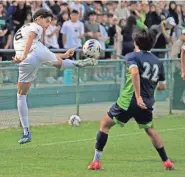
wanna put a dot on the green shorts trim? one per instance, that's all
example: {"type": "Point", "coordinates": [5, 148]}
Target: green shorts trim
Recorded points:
{"type": "Point", "coordinates": [116, 121]}
{"type": "Point", "coordinates": [148, 125]}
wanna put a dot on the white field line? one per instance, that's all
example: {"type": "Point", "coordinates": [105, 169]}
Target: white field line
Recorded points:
{"type": "Point", "coordinates": [83, 140]}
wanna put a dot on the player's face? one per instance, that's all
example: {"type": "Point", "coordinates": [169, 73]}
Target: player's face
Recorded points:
{"type": "Point", "coordinates": [45, 22]}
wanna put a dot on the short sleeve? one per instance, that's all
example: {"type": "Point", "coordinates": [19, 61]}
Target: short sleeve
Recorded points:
{"type": "Point", "coordinates": [64, 28]}
{"type": "Point", "coordinates": [131, 61]}
{"type": "Point", "coordinates": [161, 73]}
{"type": "Point", "coordinates": [38, 30]}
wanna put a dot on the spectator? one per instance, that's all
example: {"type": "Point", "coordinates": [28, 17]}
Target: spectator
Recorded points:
{"type": "Point", "coordinates": [10, 11]}
{"type": "Point", "coordinates": [63, 17]}
{"type": "Point", "coordinates": [152, 18]}
{"type": "Point", "coordinates": [73, 31]}
{"type": "Point", "coordinates": [20, 15]}
{"type": "Point", "coordinates": [64, 14]}
{"type": "Point", "coordinates": [77, 5]}
{"type": "Point", "coordinates": [118, 38]}
{"type": "Point", "coordinates": [55, 8]}
{"type": "Point", "coordinates": [104, 21]}
{"type": "Point", "coordinates": [88, 5]}
{"type": "Point", "coordinates": [51, 35]}
{"type": "Point", "coordinates": [122, 23]}
{"type": "Point", "coordinates": [173, 13]}
{"type": "Point", "coordinates": [115, 5]}
{"type": "Point", "coordinates": [110, 8]}
{"type": "Point", "coordinates": [28, 18]}
{"type": "Point", "coordinates": [5, 40]}
{"type": "Point", "coordinates": [35, 5]}
{"type": "Point", "coordinates": [97, 5]}
{"type": "Point", "coordinates": [103, 32]}
{"type": "Point", "coordinates": [122, 12]}
{"type": "Point", "coordinates": [111, 31]}
{"type": "Point", "coordinates": [163, 37]}
{"type": "Point", "coordinates": [92, 29]}
{"type": "Point", "coordinates": [64, 7]}
{"type": "Point", "coordinates": [128, 43]}
{"type": "Point", "coordinates": [179, 84]}
{"type": "Point", "coordinates": [5, 35]}
{"type": "Point", "coordinates": [183, 15]}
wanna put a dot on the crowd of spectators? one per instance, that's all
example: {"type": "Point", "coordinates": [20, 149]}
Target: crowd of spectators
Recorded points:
{"type": "Point", "coordinates": [110, 22]}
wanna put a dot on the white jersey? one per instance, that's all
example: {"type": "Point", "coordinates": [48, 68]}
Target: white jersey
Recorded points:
{"type": "Point", "coordinates": [21, 35]}
{"type": "Point", "coordinates": [38, 54]}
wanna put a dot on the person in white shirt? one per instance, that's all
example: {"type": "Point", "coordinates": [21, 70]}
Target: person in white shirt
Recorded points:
{"type": "Point", "coordinates": [30, 55]}
{"type": "Point", "coordinates": [51, 35]}
{"type": "Point", "coordinates": [73, 31]}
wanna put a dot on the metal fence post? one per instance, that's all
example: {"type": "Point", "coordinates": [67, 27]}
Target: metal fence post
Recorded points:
{"type": "Point", "coordinates": [170, 87]}
{"type": "Point", "coordinates": [78, 93]}
{"type": "Point", "coordinates": [78, 86]}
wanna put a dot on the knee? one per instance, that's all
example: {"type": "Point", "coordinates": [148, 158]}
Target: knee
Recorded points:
{"type": "Point", "coordinates": [106, 124]}
{"type": "Point", "coordinates": [20, 92]}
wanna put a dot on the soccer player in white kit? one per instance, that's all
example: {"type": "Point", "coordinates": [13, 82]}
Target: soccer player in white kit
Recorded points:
{"type": "Point", "coordinates": [30, 55]}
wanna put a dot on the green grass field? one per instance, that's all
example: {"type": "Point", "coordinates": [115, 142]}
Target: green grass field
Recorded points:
{"type": "Point", "coordinates": [62, 151]}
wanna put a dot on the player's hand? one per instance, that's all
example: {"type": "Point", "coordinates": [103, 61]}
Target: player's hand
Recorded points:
{"type": "Point", "coordinates": [17, 60]}
{"type": "Point", "coordinates": [69, 53]}
{"type": "Point", "coordinates": [140, 103]}
{"type": "Point", "coordinates": [183, 75]}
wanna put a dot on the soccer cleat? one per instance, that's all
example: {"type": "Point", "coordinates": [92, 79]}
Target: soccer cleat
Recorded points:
{"type": "Point", "coordinates": [25, 139]}
{"type": "Point", "coordinates": [86, 62]}
{"type": "Point", "coordinates": [95, 165]}
{"type": "Point", "coordinates": [168, 165]}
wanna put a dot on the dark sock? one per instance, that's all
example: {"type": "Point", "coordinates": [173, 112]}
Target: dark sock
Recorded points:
{"type": "Point", "coordinates": [101, 140]}
{"type": "Point", "coordinates": [162, 154]}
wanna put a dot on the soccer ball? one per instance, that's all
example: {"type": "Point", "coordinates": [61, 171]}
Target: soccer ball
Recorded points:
{"type": "Point", "coordinates": [74, 120]}
{"type": "Point", "coordinates": [92, 49]}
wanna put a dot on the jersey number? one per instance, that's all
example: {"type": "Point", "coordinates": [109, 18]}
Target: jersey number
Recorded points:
{"type": "Point", "coordinates": [18, 35]}
{"type": "Point", "coordinates": [147, 74]}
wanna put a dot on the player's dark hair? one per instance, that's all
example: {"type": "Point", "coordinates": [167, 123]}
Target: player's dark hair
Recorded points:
{"type": "Point", "coordinates": [43, 13]}
{"type": "Point", "coordinates": [143, 38]}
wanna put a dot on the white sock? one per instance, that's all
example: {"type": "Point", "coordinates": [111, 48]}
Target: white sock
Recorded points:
{"type": "Point", "coordinates": [68, 63]}
{"type": "Point", "coordinates": [23, 112]}
{"type": "Point", "coordinates": [97, 155]}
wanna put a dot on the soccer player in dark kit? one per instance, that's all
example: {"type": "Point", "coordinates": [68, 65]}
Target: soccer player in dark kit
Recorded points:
{"type": "Point", "coordinates": [145, 74]}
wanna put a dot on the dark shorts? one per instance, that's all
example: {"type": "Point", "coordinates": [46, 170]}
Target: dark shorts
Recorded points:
{"type": "Point", "coordinates": [142, 117]}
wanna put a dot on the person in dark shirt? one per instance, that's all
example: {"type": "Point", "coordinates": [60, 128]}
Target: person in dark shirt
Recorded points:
{"type": "Point", "coordinates": [145, 73]}
{"type": "Point", "coordinates": [20, 15]}
{"type": "Point", "coordinates": [128, 43]}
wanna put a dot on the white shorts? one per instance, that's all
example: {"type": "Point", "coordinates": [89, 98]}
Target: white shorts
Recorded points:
{"type": "Point", "coordinates": [29, 67]}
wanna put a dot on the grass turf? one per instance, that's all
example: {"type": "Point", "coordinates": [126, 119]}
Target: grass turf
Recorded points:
{"type": "Point", "coordinates": [62, 151]}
